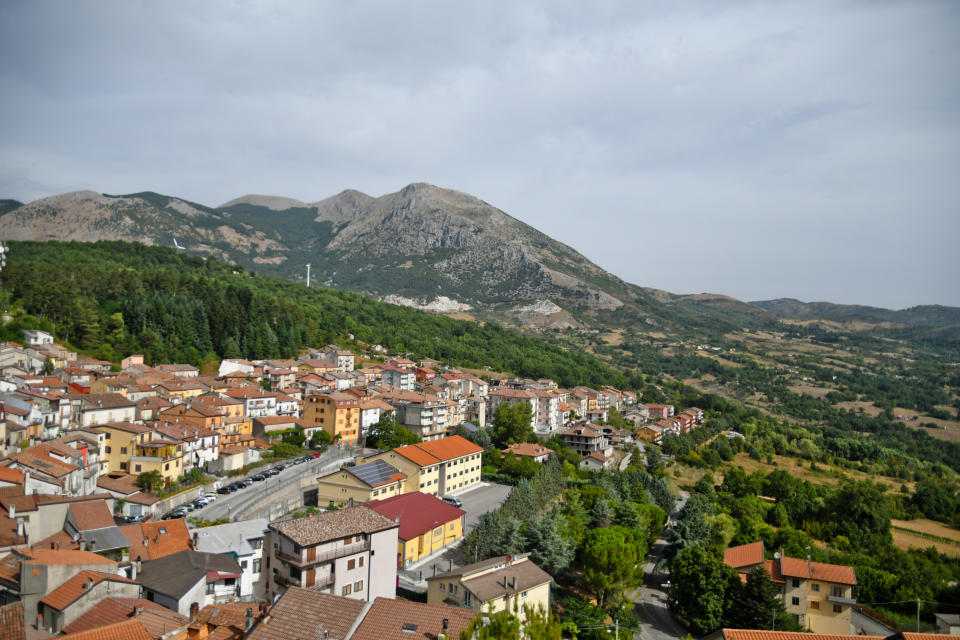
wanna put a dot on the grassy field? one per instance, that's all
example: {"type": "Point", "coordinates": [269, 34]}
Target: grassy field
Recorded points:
{"type": "Point", "coordinates": [929, 527]}
{"type": "Point", "coordinates": [922, 534]}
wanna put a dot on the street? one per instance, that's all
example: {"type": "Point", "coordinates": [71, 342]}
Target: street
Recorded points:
{"type": "Point", "coordinates": [231, 504]}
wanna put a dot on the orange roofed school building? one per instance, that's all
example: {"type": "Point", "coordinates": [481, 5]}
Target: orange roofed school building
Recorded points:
{"type": "Point", "coordinates": [818, 595]}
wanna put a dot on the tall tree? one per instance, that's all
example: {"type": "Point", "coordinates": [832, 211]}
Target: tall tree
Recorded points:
{"type": "Point", "coordinates": [613, 562]}
{"type": "Point", "coordinates": [512, 423]}
{"type": "Point", "coordinates": [757, 604]}
{"type": "Point", "coordinates": [700, 584]}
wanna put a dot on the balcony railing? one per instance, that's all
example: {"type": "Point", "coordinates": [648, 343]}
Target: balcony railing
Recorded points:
{"type": "Point", "coordinates": [325, 556]}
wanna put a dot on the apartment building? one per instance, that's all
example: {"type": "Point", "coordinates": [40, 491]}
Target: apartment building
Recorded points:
{"type": "Point", "coordinates": [337, 413]}
{"type": "Point", "coordinates": [493, 585]}
{"type": "Point", "coordinates": [348, 552]}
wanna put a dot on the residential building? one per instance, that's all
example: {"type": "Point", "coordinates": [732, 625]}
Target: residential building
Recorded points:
{"type": "Point", "coordinates": [338, 617]}
{"type": "Point", "coordinates": [587, 439]}
{"type": "Point", "coordinates": [503, 395]}
{"type": "Point", "coordinates": [818, 595]}
{"type": "Point", "coordinates": [427, 524]}
{"type": "Point", "coordinates": [120, 442]}
{"type": "Point", "coordinates": [338, 413]}
{"type": "Point", "coordinates": [402, 379]}
{"type": "Point", "coordinates": [157, 620]}
{"type": "Point", "coordinates": [537, 452]}
{"type": "Point", "coordinates": [348, 552]}
{"type": "Point", "coordinates": [493, 585]}
{"type": "Point", "coordinates": [243, 539]}
{"type": "Point", "coordinates": [191, 579]}
{"type": "Point", "coordinates": [361, 483]}
{"type": "Point", "coordinates": [96, 409]}
{"type": "Point", "coordinates": [78, 595]}
{"type": "Point", "coordinates": [948, 623]}
{"type": "Point", "coordinates": [257, 402]}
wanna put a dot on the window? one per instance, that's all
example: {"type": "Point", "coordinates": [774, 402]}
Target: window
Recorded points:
{"type": "Point", "coordinates": [123, 449]}
{"type": "Point", "coordinates": [210, 586]}
{"type": "Point", "coordinates": [346, 590]}
{"type": "Point", "coordinates": [836, 592]}
{"type": "Point", "coordinates": [256, 565]}
{"type": "Point", "coordinates": [230, 582]}
{"type": "Point", "coordinates": [815, 587]}
{"type": "Point", "coordinates": [107, 434]}
{"type": "Point", "coordinates": [360, 561]}
{"type": "Point", "coordinates": [166, 467]}
{"type": "Point", "coordinates": [243, 565]}
{"type": "Point", "coordinates": [107, 449]}
{"type": "Point", "coordinates": [795, 601]}
{"type": "Point", "coordinates": [796, 582]}
{"type": "Point", "coordinates": [162, 530]}
{"type": "Point", "coordinates": [358, 586]}
{"type": "Point", "coordinates": [814, 605]}
{"type": "Point", "coordinates": [523, 595]}
{"type": "Point", "coordinates": [123, 466]}
{"type": "Point", "coordinates": [351, 564]}
{"type": "Point", "coordinates": [837, 608]}
{"type": "Point", "coordinates": [137, 468]}
{"type": "Point", "coordinates": [257, 543]}
{"type": "Point", "coordinates": [443, 587]}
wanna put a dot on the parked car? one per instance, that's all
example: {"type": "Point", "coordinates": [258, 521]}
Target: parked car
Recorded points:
{"type": "Point", "coordinates": [210, 496]}
{"type": "Point", "coordinates": [226, 489]}
{"type": "Point", "coordinates": [454, 500]}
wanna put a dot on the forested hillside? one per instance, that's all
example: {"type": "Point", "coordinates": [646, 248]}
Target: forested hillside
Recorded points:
{"type": "Point", "coordinates": [114, 298]}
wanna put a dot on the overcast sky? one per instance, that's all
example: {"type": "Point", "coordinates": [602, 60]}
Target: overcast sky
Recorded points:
{"type": "Point", "coordinates": [755, 149]}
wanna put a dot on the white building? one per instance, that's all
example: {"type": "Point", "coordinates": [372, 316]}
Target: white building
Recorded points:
{"type": "Point", "coordinates": [244, 539]}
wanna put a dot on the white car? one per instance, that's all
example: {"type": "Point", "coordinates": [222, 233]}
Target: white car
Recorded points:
{"type": "Point", "coordinates": [211, 496]}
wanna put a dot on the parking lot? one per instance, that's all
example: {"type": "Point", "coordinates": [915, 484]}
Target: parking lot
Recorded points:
{"type": "Point", "coordinates": [480, 500]}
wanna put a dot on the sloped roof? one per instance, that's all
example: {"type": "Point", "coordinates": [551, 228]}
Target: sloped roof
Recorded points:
{"type": "Point", "coordinates": [91, 515]}
{"type": "Point", "coordinates": [11, 621]}
{"type": "Point", "coordinates": [490, 585]}
{"type": "Point", "coordinates": [155, 618]}
{"type": "Point", "coordinates": [299, 612]}
{"type": "Point", "coordinates": [758, 634]}
{"type": "Point", "coordinates": [165, 537]}
{"type": "Point", "coordinates": [71, 590]}
{"type": "Point", "coordinates": [744, 555]}
{"type": "Point", "coordinates": [387, 619]}
{"type": "Point", "coordinates": [796, 568]}
{"type": "Point", "coordinates": [440, 450]}
{"type": "Point", "coordinates": [175, 574]}
{"type": "Point", "coordinates": [233, 536]}
{"type": "Point", "coordinates": [331, 525]}
{"type": "Point", "coordinates": [54, 557]}
{"type": "Point", "coordinates": [375, 473]}
{"type": "Point", "coordinates": [126, 630]}
{"type": "Point", "coordinates": [418, 512]}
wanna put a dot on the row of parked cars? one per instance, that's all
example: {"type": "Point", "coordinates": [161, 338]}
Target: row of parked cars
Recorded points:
{"type": "Point", "coordinates": [184, 509]}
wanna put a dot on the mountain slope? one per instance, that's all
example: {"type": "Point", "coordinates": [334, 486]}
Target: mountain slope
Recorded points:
{"type": "Point", "coordinates": [920, 316]}
{"type": "Point", "coordinates": [420, 243]}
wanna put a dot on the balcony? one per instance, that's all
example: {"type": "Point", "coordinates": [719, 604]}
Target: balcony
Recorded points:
{"type": "Point", "coordinates": [841, 600]}
{"type": "Point", "coordinates": [325, 556]}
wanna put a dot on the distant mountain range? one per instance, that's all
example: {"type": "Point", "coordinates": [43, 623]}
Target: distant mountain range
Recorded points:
{"type": "Point", "coordinates": [421, 246]}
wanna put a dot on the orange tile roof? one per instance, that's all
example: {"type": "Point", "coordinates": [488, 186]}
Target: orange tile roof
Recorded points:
{"type": "Point", "coordinates": [449, 448]}
{"type": "Point", "coordinates": [91, 515]}
{"type": "Point", "coordinates": [175, 539]}
{"type": "Point", "coordinates": [530, 449]}
{"type": "Point", "coordinates": [71, 590]}
{"type": "Point", "coordinates": [126, 630]}
{"type": "Point", "coordinates": [417, 455]}
{"type": "Point", "coordinates": [759, 634]}
{"type": "Point", "coordinates": [796, 568]}
{"type": "Point", "coordinates": [52, 556]}
{"type": "Point", "coordinates": [13, 476]}
{"type": "Point", "coordinates": [156, 619]}
{"type": "Point", "coordinates": [11, 621]}
{"type": "Point", "coordinates": [745, 555]}
{"type": "Point", "coordinates": [386, 619]}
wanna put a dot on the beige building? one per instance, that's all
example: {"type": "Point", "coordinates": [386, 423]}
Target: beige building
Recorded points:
{"type": "Point", "coordinates": [338, 413]}
{"type": "Point", "coordinates": [120, 443]}
{"type": "Point", "coordinates": [374, 480]}
{"type": "Point", "coordinates": [493, 585]}
{"type": "Point", "coordinates": [818, 595]}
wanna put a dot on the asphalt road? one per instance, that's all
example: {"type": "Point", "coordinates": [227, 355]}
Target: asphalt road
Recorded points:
{"type": "Point", "coordinates": [650, 600]}
{"type": "Point", "coordinates": [227, 505]}
{"type": "Point", "coordinates": [864, 625]}
{"type": "Point", "coordinates": [479, 500]}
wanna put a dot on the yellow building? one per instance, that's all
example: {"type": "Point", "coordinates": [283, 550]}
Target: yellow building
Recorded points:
{"type": "Point", "coordinates": [362, 483]}
{"type": "Point", "coordinates": [493, 585]}
{"type": "Point", "coordinates": [120, 443]}
{"type": "Point", "coordinates": [438, 467]}
{"type": "Point", "coordinates": [427, 524]}
{"type": "Point", "coordinates": [818, 595]}
{"type": "Point", "coordinates": [337, 413]}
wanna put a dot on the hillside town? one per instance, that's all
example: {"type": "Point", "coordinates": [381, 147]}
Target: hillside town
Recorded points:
{"type": "Point", "coordinates": [159, 501]}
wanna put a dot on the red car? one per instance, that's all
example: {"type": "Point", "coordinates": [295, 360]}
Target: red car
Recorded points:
{"type": "Point", "coordinates": [316, 455]}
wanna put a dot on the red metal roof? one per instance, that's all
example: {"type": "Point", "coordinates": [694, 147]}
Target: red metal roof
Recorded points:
{"type": "Point", "coordinates": [418, 513]}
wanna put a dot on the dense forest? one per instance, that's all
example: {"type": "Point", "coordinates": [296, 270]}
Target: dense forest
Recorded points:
{"type": "Point", "coordinates": [112, 298]}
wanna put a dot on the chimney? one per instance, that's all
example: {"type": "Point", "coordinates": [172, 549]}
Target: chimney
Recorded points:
{"type": "Point", "coordinates": [93, 545]}
{"type": "Point", "coordinates": [196, 539]}
{"type": "Point", "coordinates": [194, 612]}
{"type": "Point", "coordinates": [83, 544]}
{"type": "Point", "coordinates": [12, 511]}
{"type": "Point", "coordinates": [137, 611]}
{"type": "Point", "coordinates": [444, 627]}
{"type": "Point", "coordinates": [249, 621]}
{"type": "Point", "coordinates": [139, 564]}
{"type": "Point", "coordinates": [146, 541]}
{"type": "Point", "coordinates": [20, 528]}
{"type": "Point", "coordinates": [58, 545]}
{"type": "Point", "coordinates": [88, 584]}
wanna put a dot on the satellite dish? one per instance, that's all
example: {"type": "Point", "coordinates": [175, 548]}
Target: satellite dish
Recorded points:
{"type": "Point", "coordinates": [777, 555]}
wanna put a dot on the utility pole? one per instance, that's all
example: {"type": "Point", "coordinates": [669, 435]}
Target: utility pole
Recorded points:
{"type": "Point", "coordinates": [308, 274]}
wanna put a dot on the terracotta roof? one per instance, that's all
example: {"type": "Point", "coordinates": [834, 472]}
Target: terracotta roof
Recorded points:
{"type": "Point", "coordinates": [758, 634]}
{"type": "Point", "coordinates": [228, 620]}
{"type": "Point", "coordinates": [165, 537]}
{"type": "Point", "coordinates": [406, 620]}
{"type": "Point", "coordinates": [11, 621]}
{"type": "Point", "coordinates": [10, 568]}
{"type": "Point", "coordinates": [119, 481]}
{"type": "Point", "coordinates": [299, 612]}
{"type": "Point", "coordinates": [156, 619]}
{"type": "Point", "coordinates": [331, 525]}
{"type": "Point", "coordinates": [53, 557]}
{"type": "Point", "coordinates": [91, 515]}
{"type": "Point", "coordinates": [129, 427]}
{"type": "Point", "coordinates": [797, 568]}
{"type": "Point", "coordinates": [529, 449]}
{"type": "Point", "coordinates": [418, 512]}
{"type": "Point", "coordinates": [744, 555]}
{"type": "Point", "coordinates": [13, 476]}
{"type": "Point", "coordinates": [71, 590]}
{"type": "Point", "coordinates": [126, 630]}
{"type": "Point", "coordinates": [444, 449]}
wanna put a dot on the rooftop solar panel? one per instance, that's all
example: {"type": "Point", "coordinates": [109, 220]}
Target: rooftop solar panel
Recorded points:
{"type": "Point", "coordinates": [373, 473]}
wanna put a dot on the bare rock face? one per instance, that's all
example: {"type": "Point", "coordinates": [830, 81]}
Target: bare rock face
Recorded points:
{"type": "Point", "coordinates": [433, 248]}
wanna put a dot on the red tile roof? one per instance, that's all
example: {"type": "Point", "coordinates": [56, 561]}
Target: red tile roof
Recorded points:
{"type": "Point", "coordinates": [745, 555]}
{"type": "Point", "coordinates": [418, 512]}
{"type": "Point", "coordinates": [758, 634]}
{"type": "Point", "coordinates": [796, 568]}
{"type": "Point", "coordinates": [444, 449]}
{"type": "Point", "coordinates": [387, 618]}
{"type": "Point", "coordinates": [13, 476]}
{"type": "Point", "coordinates": [53, 557]}
{"type": "Point", "coordinates": [164, 538]}
{"type": "Point", "coordinates": [11, 621]}
{"type": "Point", "coordinates": [156, 619]}
{"type": "Point", "coordinates": [91, 515]}
{"type": "Point", "coordinates": [71, 590]}
{"type": "Point", "coordinates": [126, 630]}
